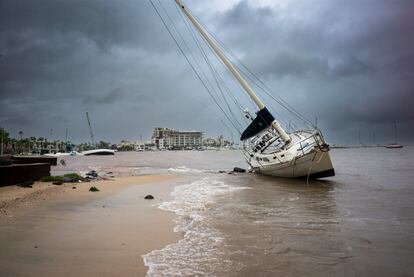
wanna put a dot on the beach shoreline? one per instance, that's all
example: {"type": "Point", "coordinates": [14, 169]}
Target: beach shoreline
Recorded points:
{"type": "Point", "coordinates": [53, 230]}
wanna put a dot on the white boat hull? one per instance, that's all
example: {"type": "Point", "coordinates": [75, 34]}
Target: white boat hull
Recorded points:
{"type": "Point", "coordinates": [316, 164]}
{"type": "Point", "coordinates": [100, 152]}
{"type": "Point", "coordinates": [307, 156]}
{"type": "Point", "coordinates": [59, 154]}
{"type": "Point", "coordinates": [393, 145]}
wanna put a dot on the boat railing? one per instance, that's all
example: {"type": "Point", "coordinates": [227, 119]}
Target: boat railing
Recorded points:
{"type": "Point", "coordinates": [315, 139]}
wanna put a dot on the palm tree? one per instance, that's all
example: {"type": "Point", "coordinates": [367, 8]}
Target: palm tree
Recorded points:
{"type": "Point", "coordinates": [20, 148]}
{"type": "Point", "coordinates": [2, 140]}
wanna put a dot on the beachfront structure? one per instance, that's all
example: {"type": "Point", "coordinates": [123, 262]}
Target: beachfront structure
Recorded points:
{"type": "Point", "coordinates": [126, 145]}
{"type": "Point", "coordinates": [216, 142]}
{"type": "Point", "coordinates": [144, 146]}
{"type": "Point", "coordinates": [165, 138]}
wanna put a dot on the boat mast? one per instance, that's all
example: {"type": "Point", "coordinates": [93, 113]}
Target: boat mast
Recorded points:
{"type": "Point", "coordinates": [282, 133]}
{"type": "Point", "coordinates": [395, 131]}
{"type": "Point", "coordinates": [90, 130]}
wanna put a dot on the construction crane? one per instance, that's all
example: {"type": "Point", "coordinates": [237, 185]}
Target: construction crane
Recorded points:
{"type": "Point", "coordinates": [90, 129]}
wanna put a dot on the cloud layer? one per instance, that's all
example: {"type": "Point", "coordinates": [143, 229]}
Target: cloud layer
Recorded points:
{"type": "Point", "coordinates": [350, 64]}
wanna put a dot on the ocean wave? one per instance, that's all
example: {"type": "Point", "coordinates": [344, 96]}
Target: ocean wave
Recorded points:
{"type": "Point", "coordinates": [202, 250]}
{"type": "Point", "coordinates": [185, 169]}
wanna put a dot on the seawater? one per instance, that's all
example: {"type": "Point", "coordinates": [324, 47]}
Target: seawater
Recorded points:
{"type": "Point", "coordinates": [358, 223]}
{"type": "Point", "coordinates": [203, 248]}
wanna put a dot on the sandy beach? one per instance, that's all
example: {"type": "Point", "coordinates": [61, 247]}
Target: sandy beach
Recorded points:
{"type": "Point", "coordinates": [358, 223]}
{"type": "Point", "coordinates": [67, 230]}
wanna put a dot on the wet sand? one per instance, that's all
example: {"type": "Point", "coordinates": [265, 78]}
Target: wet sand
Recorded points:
{"type": "Point", "coordinates": [57, 230]}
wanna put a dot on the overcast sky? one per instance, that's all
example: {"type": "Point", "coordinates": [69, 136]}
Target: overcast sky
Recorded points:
{"type": "Point", "coordinates": [350, 63]}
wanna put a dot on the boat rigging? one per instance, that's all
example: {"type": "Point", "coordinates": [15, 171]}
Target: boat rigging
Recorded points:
{"type": "Point", "coordinates": [269, 149]}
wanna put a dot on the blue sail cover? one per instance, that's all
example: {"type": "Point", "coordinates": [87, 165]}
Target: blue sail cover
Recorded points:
{"type": "Point", "coordinates": [262, 121]}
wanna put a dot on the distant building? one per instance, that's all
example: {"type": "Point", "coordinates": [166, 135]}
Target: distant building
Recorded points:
{"type": "Point", "coordinates": [217, 142]}
{"type": "Point", "coordinates": [125, 145]}
{"type": "Point", "coordinates": [144, 146]}
{"type": "Point", "coordinates": [165, 138]}
{"type": "Point", "coordinates": [139, 146]}
{"type": "Point", "coordinates": [210, 142]}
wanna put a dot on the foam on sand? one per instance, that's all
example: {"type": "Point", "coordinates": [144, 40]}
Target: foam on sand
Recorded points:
{"type": "Point", "coordinates": [202, 249]}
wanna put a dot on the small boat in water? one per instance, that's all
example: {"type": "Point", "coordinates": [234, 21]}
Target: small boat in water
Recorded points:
{"type": "Point", "coordinates": [65, 154]}
{"type": "Point", "coordinates": [269, 149]}
{"type": "Point", "coordinates": [99, 152]}
{"type": "Point", "coordinates": [395, 144]}
{"type": "Point", "coordinates": [96, 152]}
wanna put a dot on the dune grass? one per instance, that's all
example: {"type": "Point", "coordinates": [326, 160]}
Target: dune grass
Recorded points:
{"type": "Point", "coordinates": [51, 179]}
{"type": "Point", "coordinates": [73, 176]}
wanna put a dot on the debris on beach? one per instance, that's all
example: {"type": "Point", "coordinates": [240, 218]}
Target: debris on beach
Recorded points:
{"type": "Point", "coordinates": [93, 189]}
{"type": "Point", "coordinates": [59, 180]}
{"type": "Point", "coordinates": [28, 184]}
{"type": "Point", "coordinates": [92, 174]}
{"type": "Point", "coordinates": [149, 197]}
{"type": "Point", "coordinates": [239, 170]}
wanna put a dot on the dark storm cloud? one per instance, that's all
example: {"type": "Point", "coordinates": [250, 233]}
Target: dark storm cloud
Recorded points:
{"type": "Point", "coordinates": [62, 58]}
{"type": "Point", "coordinates": [353, 59]}
{"type": "Point", "coordinates": [330, 38]}
{"type": "Point", "coordinates": [104, 22]}
{"type": "Point", "coordinates": [351, 64]}
{"type": "Point", "coordinates": [113, 96]}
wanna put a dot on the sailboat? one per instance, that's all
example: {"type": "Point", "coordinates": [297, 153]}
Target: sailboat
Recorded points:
{"type": "Point", "coordinates": [268, 148]}
{"type": "Point", "coordinates": [95, 152]}
{"type": "Point", "coordinates": [395, 144]}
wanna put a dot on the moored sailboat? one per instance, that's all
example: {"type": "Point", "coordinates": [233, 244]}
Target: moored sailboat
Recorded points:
{"type": "Point", "coordinates": [394, 144]}
{"type": "Point", "coordinates": [269, 149]}
{"type": "Point", "coordinates": [95, 151]}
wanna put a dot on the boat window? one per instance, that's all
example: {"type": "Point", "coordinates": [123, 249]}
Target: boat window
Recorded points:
{"type": "Point", "coordinates": [266, 159]}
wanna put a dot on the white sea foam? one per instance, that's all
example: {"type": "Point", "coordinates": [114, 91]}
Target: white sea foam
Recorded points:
{"type": "Point", "coordinates": [202, 250]}
{"type": "Point", "coordinates": [185, 169]}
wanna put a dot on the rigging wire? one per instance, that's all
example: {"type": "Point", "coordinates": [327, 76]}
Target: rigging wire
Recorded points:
{"type": "Point", "coordinates": [219, 82]}
{"type": "Point", "coordinates": [259, 83]}
{"type": "Point", "coordinates": [215, 114]}
{"type": "Point", "coordinates": [186, 45]}
{"type": "Point", "coordinates": [215, 73]}
{"type": "Point", "coordinates": [245, 75]}
{"type": "Point", "coordinates": [188, 60]}
{"type": "Point", "coordinates": [211, 89]}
